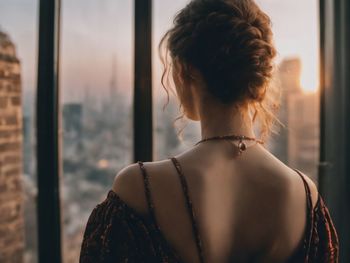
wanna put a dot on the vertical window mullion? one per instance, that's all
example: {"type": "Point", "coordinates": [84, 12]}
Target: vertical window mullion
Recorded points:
{"type": "Point", "coordinates": [143, 119]}
{"type": "Point", "coordinates": [335, 81]}
{"type": "Point", "coordinates": [48, 163]}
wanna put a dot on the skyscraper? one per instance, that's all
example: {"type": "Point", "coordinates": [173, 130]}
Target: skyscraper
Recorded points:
{"type": "Point", "coordinates": [298, 142]}
{"type": "Point", "coordinates": [113, 81]}
{"type": "Point", "coordinates": [11, 198]}
{"type": "Point", "coordinates": [288, 80]}
{"type": "Point", "coordinates": [72, 120]}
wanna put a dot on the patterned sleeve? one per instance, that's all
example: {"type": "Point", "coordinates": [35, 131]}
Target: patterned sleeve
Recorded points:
{"type": "Point", "coordinates": [324, 245]}
{"type": "Point", "coordinates": [114, 234]}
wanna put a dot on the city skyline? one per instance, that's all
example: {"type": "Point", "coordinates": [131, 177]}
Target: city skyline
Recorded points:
{"type": "Point", "coordinates": [96, 142]}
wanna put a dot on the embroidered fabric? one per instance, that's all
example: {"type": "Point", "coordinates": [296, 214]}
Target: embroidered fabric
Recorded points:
{"type": "Point", "coordinates": [115, 232]}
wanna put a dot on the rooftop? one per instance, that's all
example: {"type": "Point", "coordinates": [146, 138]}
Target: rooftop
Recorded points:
{"type": "Point", "coordinates": [7, 48]}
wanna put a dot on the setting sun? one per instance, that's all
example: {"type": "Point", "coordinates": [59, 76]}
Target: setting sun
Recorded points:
{"type": "Point", "coordinates": [309, 76]}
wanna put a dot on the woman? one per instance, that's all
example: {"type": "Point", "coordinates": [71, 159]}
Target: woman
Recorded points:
{"type": "Point", "coordinates": [227, 199]}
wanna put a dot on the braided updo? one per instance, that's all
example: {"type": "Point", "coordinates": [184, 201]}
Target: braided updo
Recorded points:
{"type": "Point", "coordinates": [230, 43]}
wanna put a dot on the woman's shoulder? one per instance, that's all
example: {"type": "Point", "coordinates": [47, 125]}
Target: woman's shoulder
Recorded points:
{"type": "Point", "coordinates": [128, 185]}
{"type": "Point", "coordinates": [312, 187]}
{"type": "Point", "coordinates": [130, 182]}
{"type": "Point", "coordinates": [297, 183]}
{"type": "Point", "coordinates": [111, 230]}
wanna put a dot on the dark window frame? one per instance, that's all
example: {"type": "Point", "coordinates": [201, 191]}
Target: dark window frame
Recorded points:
{"type": "Point", "coordinates": [47, 128]}
{"type": "Point", "coordinates": [143, 114]}
{"type": "Point", "coordinates": [334, 37]}
{"type": "Point", "coordinates": [48, 119]}
{"type": "Point", "coordinates": [334, 179]}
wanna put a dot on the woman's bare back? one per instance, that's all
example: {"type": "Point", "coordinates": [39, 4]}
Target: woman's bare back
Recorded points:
{"type": "Point", "coordinates": [250, 208]}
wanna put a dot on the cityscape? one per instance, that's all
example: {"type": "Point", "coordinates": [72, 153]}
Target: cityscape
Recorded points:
{"type": "Point", "coordinates": [97, 141]}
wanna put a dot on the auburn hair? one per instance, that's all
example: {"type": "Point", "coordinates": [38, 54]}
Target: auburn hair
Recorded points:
{"type": "Point", "coordinates": [230, 42]}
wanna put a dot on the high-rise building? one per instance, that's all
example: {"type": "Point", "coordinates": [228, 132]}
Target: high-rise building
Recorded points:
{"type": "Point", "coordinates": [298, 141]}
{"type": "Point", "coordinates": [11, 198]}
{"type": "Point", "coordinates": [304, 133]}
{"type": "Point", "coordinates": [113, 104]}
{"type": "Point", "coordinates": [288, 80]}
{"type": "Point", "coordinates": [72, 119]}
{"type": "Point", "coordinates": [113, 82]}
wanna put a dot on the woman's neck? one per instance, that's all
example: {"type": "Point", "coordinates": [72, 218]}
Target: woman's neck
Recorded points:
{"type": "Point", "coordinates": [220, 120]}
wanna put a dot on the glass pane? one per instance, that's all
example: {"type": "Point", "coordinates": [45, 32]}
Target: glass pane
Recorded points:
{"type": "Point", "coordinates": [18, 64]}
{"type": "Point", "coordinates": [96, 80]}
{"type": "Point", "coordinates": [172, 134]}
{"type": "Point", "coordinates": [296, 30]}
{"type": "Point", "coordinates": [295, 27]}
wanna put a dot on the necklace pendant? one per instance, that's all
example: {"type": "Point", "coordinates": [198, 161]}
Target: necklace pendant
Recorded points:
{"type": "Point", "coordinates": [242, 147]}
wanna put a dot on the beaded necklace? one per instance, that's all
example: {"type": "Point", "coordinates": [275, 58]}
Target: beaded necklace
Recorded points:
{"type": "Point", "coordinates": [242, 146]}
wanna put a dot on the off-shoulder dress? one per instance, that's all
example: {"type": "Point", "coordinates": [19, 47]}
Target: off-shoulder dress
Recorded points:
{"type": "Point", "coordinates": [115, 232]}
